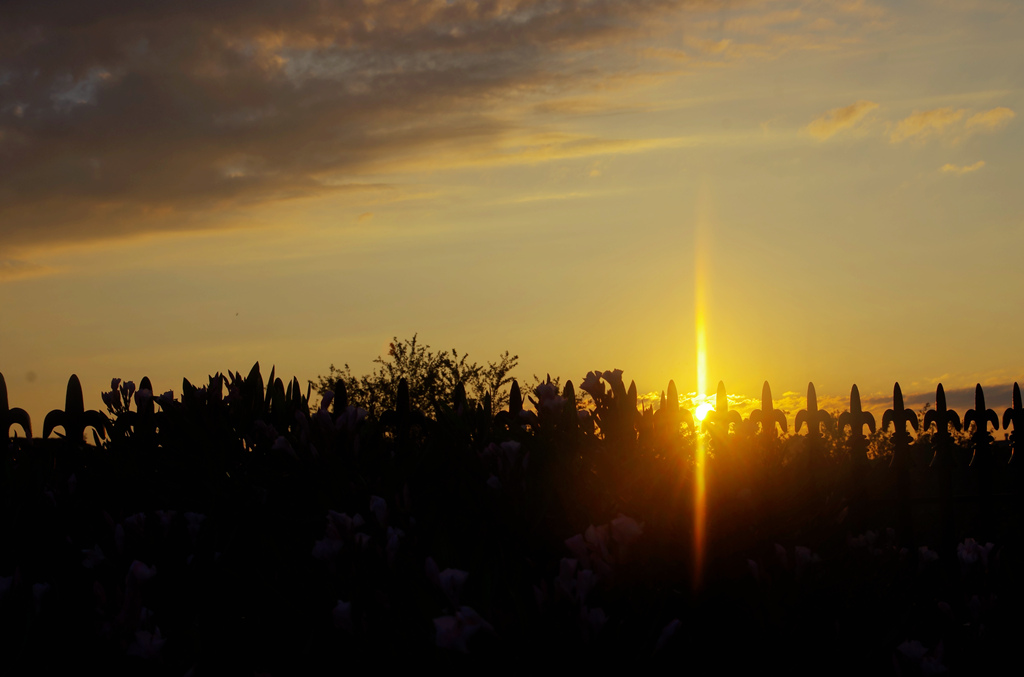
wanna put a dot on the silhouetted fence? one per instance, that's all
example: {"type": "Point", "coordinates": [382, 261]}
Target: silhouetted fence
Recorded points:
{"type": "Point", "coordinates": [952, 466]}
{"type": "Point", "coordinates": [238, 474]}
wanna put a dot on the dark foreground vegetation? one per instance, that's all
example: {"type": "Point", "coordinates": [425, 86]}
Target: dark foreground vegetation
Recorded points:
{"type": "Point", "coordinates": [238, 530]}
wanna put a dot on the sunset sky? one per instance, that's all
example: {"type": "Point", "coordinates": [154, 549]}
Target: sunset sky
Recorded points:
{"type": "Point", "coordinates": [189, 187]}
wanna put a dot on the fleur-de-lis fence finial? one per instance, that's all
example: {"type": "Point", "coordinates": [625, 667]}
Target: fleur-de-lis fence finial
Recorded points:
{"type": "Point", "coordinates": [768, 416]}
{"type": "Point", "coordinates": [942, 418]}
{"type": "Point", "coordinates": [857, 419]}
{"type": "Point", "coordinates": [942, 462]}
{"type": "Point", "coordinates": [9, 417]}
{"type": "Point", "coordinates": [857, 444]}
{"type": "Point", "coordinates": [671, 415]}
{"type": "Point", "coordinates": [899, 416]}
{"type": "Point", "coordinates": [74, 418]}
{"type": "Point", "coordinates": [812, 417]}
{"type": "Point", "coordinates": [981, 440]}
{"type": "Point", "coordinates": [1015, 415]}
{"type": "Point", "coordinates": [717, 421]}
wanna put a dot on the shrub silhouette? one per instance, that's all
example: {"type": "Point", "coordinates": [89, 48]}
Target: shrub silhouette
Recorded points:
{"type": "Point", "coordinates": [431, 378]}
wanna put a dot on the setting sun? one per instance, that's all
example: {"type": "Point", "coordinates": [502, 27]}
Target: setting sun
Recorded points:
{"type": "Point", "coordinates": [702, 410]}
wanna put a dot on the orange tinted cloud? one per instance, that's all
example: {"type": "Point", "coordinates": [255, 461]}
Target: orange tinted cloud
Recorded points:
{"type": "Point", "coordinates": [966, 169]}
{"type": "Point", "coordinates": [921, 125]}
{"type": "Point", "coordinates": [991, 119]}
{"type": "Point", "coordinates": [838, 119]}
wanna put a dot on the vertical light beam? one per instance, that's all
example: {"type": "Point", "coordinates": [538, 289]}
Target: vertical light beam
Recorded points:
{"type": "Point", "coordinates": [700, 324]}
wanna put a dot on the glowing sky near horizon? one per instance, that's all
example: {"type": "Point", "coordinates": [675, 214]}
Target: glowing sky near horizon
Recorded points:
{"type": "Point", "coordinates": [191, 187]}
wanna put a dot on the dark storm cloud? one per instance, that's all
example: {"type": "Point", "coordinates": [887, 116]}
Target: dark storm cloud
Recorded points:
{"type": "Point", "coordinates": [125, 116]}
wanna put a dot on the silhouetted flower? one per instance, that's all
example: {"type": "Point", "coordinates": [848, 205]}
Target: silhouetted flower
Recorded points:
{"type": "Point", "coordinates": [451, 582]}
{"type": "Point", "coordinates": [282, 445]}
{"type": "Point", "coordinates": [781, 557]}
{"type": "Point", "coordinates": [194, 519]}
{"type": "Point", "coordinates": [803, 559]}
{"type": "Point", "coordinates": [578, 545]}
{"type": "Point", "coordinates": [93, 557]}
{"type": "Point", "coordinates": [614, 377]}
{"type": "Point", "coordinates": [970, 552]}
{"type": "Point", "coordinates": [342, 615]}
{"type": "Point", "coordinates": [146, 644]}
{"type": "Point", "coordinates": [585, 582]}
{"type": "Point", "coordinates": [625, 530]}
{"type": "Point", "coordinates": [111, 399]}
{"type": "Point", "coordinates": [138, 573]}
{"type": "Point", "coordinates": [394, 537]}
{"type": "Point", "coordinates": [912, 649]}
{"type": "Point", "coordinates": [915, 656]}
{"type": "Point", "coordinates": [511, 449]}
{"type": "Point", "coordinates": [39, 591]}
{"type": "Point", "coordinates": [545, 391]}
{"type": "Point", "coordinates": [667, 633]}
{"type": "Point", "coordinates": [328, 547]}
{"type": "Point", "coordinates": [454, 632]}
{"type": "Point", "coordinates": [379, 508]}
{"type": "Point", "coordinates": [565, 584]}
{"type": "Point", "coordinates": [926, 556]}
{"type": "Point", "coordinates": [592, 385]}
{"type": "Point", "coordinates": [166, 517]}
{"type": "Point", "coordinates": [595, 620]}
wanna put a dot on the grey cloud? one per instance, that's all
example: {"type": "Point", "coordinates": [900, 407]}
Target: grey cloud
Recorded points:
{"type": "Point", "coordinates": [121, 116]}
{"type": "Point", "coordinates": [997, 397]}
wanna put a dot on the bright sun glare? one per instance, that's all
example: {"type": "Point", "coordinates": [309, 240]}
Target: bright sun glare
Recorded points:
{"type": "Point", "coordinates": [702, 410]}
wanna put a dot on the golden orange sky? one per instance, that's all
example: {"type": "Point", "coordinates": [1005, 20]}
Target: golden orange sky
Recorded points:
{"type": "Point", "coordinates": [191, 187]}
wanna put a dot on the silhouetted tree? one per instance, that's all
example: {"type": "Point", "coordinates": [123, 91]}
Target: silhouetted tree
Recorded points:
{"type": "Point", "coordinates": [432, 378]}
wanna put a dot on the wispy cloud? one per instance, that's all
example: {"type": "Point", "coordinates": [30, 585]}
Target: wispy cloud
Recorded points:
{"type": "Point", "coordinates": [921, 125]}
{"type": "Point", "coordinates": [114, 115]}
{"type": "Point", "coordinates": [965, 169]}
{"type": "Point", "coordinates": [839, 119]}
{"type": "Point", "coordinates": [16, 269]}
{"type": "Point", "coordinates": [124, 119]}
{"type": "Point", "coordinates": [759, 24]}
{"type": "Point", "coordinates": [665, 54]}
{"type": "Point", "coordinates": [554, 196]}
{"type": "Point", "coordinates": [991, 120]}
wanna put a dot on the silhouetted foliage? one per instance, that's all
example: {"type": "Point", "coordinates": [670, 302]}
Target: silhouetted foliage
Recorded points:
{"type": "Point", "coordinates": [432, 378]}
